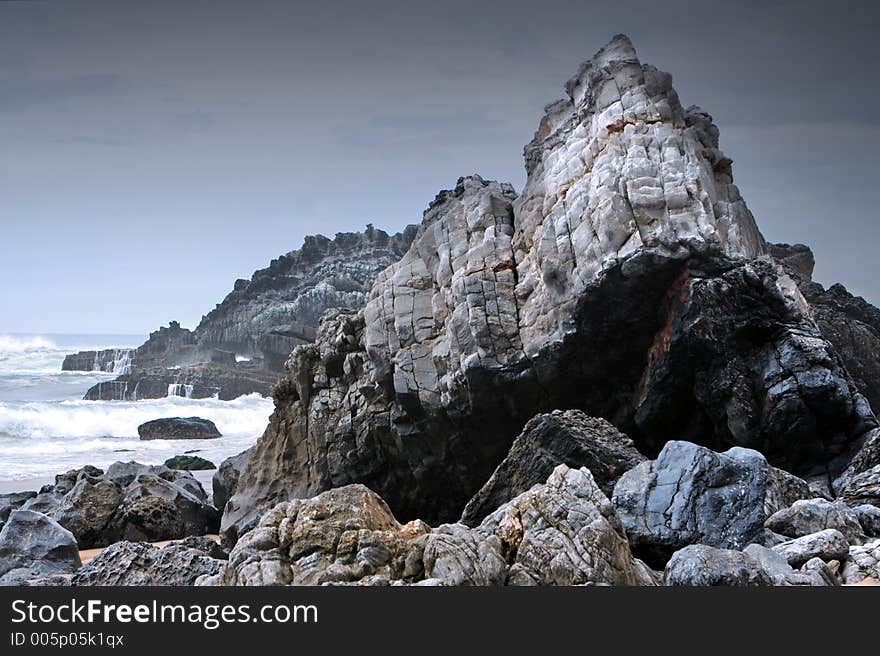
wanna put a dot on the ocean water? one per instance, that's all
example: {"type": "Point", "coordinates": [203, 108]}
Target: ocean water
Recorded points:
{"type": "Point", "coordinates": [46, 428]}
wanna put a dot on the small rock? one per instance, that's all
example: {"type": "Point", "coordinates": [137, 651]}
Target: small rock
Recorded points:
{"type": "Point", "coordinates": [807, 516]}
{"type": "Point", "coordinates": [178, 428]}
{"type": "Point", "coordinates": [829, 544]}
{"type": "Point", "coordinates": [189, 463]}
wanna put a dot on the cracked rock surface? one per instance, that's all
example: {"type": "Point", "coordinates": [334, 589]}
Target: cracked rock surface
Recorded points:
{"type": "Point", "coordinates": [692, 495]}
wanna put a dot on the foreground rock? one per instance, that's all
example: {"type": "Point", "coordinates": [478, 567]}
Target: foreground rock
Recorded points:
{"type": "Point", "coordinates": [34, 546]}
{"type": "Point", "coordinates": [140, 563]}
{"type": "Point", "coordinates": [627, 280]}
{"type": "Point", "coordinates": [564, 532]}
{"type": "Point", "coordinates": [178, 428]}
{"type": "Point", "coordinates": [863, 562]}
{"type": "Point", "coordinates": [225, 479]}
{"type": "Point", "coordinates": [869, 518]}
{"type": "Point", "coordinates": [692, 495]}
{"type": "Point", "coordinates": [829, 544]}
{"type": "Point", "coordinates": [569, 437]}
{"type": "Point", "coordinates": [808, 516]}
{"type": "Point", "coordinates": [130, 501]}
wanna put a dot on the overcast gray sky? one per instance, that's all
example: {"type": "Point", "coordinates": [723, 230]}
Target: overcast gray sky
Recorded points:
{"type": "Point", "coordinates": [152, 153]}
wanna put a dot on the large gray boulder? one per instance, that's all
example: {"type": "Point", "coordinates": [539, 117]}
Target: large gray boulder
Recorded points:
{"type": "Point", "coordinates": [692, 495]}
{"type": "Point", "coordinates": [702, 565]}
{"type": "Point", "coordinates": [807, 516]}
{"type": "Point", "coordinates": [140, 563]}
{"type": "Point", "coordinates": [627, 280]}
{"type": "Point", "coordinates": [562, 532]}
{"type": "Point", "coordinates": [570, 438]}
{"type": "Point", "coordinates": [33, 546]}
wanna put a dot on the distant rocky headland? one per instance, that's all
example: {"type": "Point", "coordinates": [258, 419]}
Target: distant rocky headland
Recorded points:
{"type": "Point", "coordinates": [240, 347]}
{"type": "Point", "coordinates": [608, 378]}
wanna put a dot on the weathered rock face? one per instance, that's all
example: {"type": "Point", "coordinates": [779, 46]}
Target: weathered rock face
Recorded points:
{"type": "Point", "coordinates": [863, 488]}
{"type": "Point", "coordinates": [564, 532]}
{"type": "Point", "coordinates": [140, 563]}
{"type": "Point", "coordinates": [225, 479]}
{"type": "Point", "coordinates": [570, 438]}
{"type": "Point", "coordinates": [692, 495]}
{"type": "Point", "coordinates": [622, 282]}
{"type": "Point", "coordinates": [178, 428]}
{"type": "Point", "coordinates": [869, 518]}
{"type": "Point", "coordinates": [862, 562]}
{"type": "Point", "coordinates": [33, 545]}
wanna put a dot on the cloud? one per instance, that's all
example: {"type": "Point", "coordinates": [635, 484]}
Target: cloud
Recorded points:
{"type": "Point", "coordinates": [194, 120]}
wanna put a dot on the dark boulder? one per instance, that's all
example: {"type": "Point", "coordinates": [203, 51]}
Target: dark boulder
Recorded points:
{"type": "Point", "coordinates": [33, 545]}
{"type": "Point", "coordinates": [178, 428]}
{"type": "Point", "coordinates": [13, 501]}
{"type": "Point", "coordinates": [692, 495]}
{"type": "Point", "coordinates": [863, 488]}
{"type": "Point", "coordinates": [189, 463]}
{"type": "Point", "coordinates": [571, 438]}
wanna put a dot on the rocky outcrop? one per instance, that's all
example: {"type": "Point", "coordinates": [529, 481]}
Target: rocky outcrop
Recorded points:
{"type": "Point", "coordinates": [627, 280]}
{"type": "Point", "coordinates": [692, 495]}
{"type": "Point", "coordinates": [114, 361]}
{"type": "Point", "coordinates": [563, 532]}
{"type": "Point", "coordinates": [240, 347]}
{"type": "Point", "coordinates": [179, 428]}
{"type": "Point", "coordinates": [33, 546]}
{"type": "Point", "coordinates": [201, 381]}
{"type": "Point", "coordinates": [225, 479]}
{"type": "Point", "coordinates": [570, 438]}
{"type": "Point", "coordinates": [280, 306]}
{"type": "Point", "coordinates": [140, 563]}
{"type": "Point", "coordinates": [130, 501]}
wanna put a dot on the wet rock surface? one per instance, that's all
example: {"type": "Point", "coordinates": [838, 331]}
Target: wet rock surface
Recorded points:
{"type": "Point", "coordinates": [178, 428]}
